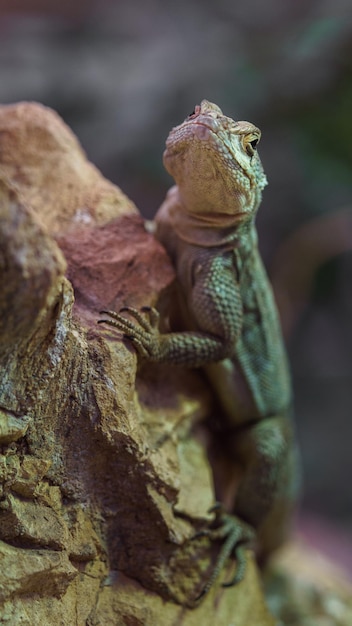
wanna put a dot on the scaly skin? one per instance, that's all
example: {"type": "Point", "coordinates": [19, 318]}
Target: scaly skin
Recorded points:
{"type": "Point", "coordinates": [207, 226]}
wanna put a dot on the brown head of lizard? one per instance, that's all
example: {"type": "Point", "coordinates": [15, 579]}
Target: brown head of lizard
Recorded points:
{"type": "Point", "coordinates": [216, 167]}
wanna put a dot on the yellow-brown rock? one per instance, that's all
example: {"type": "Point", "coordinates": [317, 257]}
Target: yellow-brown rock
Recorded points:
{"type": "Point", "coordinates": [25, 572]}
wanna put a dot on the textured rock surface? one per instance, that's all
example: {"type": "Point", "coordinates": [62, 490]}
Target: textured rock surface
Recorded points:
{"type": "Point", "coordinates": [103, 481]}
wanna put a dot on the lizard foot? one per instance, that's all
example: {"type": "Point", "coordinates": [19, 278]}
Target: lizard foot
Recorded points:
{"type": "Point", "coordinates": [236, 536]}
{"type": "Point", "coordinates": [142, 331]}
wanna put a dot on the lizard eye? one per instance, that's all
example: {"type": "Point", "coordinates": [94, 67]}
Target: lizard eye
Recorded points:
{"type": "Point", "coordinates": [250, 143]}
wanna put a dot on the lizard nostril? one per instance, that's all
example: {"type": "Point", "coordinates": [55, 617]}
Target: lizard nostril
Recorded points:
{"type": "Point", "coordinates": [195, 112]}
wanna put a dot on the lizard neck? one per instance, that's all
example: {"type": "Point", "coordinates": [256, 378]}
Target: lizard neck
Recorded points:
{"type": "Point", "coordinates": [211, 230]}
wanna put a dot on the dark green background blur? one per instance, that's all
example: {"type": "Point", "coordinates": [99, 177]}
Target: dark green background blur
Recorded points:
{"type": "Point", "coordinates": [122, 73]}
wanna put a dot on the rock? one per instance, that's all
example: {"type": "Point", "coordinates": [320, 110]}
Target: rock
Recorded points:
{"type": "Point", "coordinates": [84, 542]}
{"type": "Point", "coordinates": [43, 572]}
{"type": "Point", "coordinates": [31, 268]}
{"type": "Point", "coordinates": [107, 273]}
{"type": "Point", "coordinates": [133, 606]}
{"type": "Point", "coordinates": [12, 427]}
{"type": "Point", "coordinates": [45, 163]}
{"type": "Point", "coordinates": [29, 475]}
{"type": "Point", "coordinates": [30, 524]}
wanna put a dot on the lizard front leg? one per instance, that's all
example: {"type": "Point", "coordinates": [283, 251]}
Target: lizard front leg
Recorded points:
{"type": "Point", "coordinates": [189, 348]}
{"type": "Point", "coordinates": [219, 320]}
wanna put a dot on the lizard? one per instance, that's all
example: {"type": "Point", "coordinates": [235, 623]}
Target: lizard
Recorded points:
{"type": "Point", "coordinates": [207, 225]}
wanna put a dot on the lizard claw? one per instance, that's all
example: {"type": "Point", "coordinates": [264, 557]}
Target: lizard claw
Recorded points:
{"type": "Point", "coordinates": [141, 330]}
{"type": "Point", "coordinates": [216, 508]}
{"type": "Point", "coordinates": [153, 315]}
{"type": "Point", "coordinates": [235, 535]}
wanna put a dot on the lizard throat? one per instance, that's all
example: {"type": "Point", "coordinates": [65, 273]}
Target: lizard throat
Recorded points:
{"type": "Point", "coordinates": [210, 230]}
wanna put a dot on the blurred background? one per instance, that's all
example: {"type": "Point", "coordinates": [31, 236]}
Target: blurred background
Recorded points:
{"type": "Point", "coordinates": [121, 74]}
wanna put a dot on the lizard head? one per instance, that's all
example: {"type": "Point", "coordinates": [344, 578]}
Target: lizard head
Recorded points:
{"type": "Point", "coordinates": [215, 164]}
